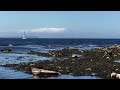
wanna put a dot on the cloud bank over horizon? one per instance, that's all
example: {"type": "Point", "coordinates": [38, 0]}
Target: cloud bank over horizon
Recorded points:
{"type": "Point", "coordinates": [44, 30]}
{"type": "Point", "coordinates": [48, 30]}
{"type": "Point", "coordinates": [35, 32]}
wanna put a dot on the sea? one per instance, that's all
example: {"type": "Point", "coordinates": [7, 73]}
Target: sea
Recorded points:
{"type": "Point", "coordinates": [20, 46]}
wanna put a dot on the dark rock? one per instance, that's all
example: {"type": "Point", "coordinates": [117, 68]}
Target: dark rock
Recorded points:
{"type": "Point", "coordinates": [6, 50]}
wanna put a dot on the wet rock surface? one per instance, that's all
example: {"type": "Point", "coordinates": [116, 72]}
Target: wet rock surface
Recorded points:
{"type": "Point", "coordinates": [95, 62]}
{"type": "Point", "coordinates": [6, 50]}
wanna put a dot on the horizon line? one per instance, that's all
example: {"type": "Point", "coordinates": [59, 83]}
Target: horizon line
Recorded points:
{"type": "Point", "coordinates": [57, 38]}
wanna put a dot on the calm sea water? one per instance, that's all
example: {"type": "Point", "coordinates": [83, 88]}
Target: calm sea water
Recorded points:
{"type": "Point", "coordinates": [65, 42]}
{"type": "Point", "coordinates": [19, 47]}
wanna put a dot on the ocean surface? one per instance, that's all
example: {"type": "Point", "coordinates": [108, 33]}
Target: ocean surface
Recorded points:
{"type": "Point", "coordinates": [20, 46]}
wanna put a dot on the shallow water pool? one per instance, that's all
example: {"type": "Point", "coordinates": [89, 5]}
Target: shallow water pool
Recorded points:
{"type": "Point", "coordinates": [11, 58]}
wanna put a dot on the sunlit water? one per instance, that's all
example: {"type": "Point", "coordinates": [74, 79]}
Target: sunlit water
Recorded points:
{"type": "Point", "coordinates": [117, 61]}
{"type": "Point", "coordinates": [68, 77]}
{"type": "Point", "coordinates": [11, 58]}
{"type": "Point", "coordinates": [7, 73]}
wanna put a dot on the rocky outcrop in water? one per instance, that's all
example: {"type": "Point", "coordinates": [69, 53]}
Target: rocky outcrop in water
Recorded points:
{"type": "Point", "coordinates": [6, 50]}
{"type": "Point", "coordinates": [94, 62]}
{"type": "Point", "coordinates": [38, 53]}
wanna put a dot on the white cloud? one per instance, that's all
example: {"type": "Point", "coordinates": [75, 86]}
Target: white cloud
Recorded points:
{"type": "Point", "coordinates": [48, 30]}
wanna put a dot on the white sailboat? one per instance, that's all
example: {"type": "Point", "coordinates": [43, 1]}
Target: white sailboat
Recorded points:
{"type": "Point", "coordinates": [24, 35]}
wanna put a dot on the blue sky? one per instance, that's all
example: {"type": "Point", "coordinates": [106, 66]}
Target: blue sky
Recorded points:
{"type": "Point", "coordinates": [60, 24]}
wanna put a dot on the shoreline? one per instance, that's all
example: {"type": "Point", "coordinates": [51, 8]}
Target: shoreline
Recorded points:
{"type": "Point", "coordinates": [94, 62]}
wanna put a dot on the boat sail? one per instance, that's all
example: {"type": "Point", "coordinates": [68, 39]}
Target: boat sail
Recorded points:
{"type": "Point", "coordinates": [24, 35]}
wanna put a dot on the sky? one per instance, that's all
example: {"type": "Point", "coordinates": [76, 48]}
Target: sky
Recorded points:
{"type": "Point", "coordinates": [60, 24]}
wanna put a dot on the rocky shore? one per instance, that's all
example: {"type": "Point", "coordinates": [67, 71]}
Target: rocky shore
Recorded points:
{"type": "Point", "coordinates": [95, 62]}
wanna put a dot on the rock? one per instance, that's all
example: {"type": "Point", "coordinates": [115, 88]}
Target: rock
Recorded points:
{"type": "Point", "coordinates": [71, 73]}
{"type": "Point", "coordinates": [88, 69]}
{"type": "Point", "coordinates": [93, 74]}
{"type": "Point", "coordinates": [117, 76]}
{"type": "Point", "coordinates": [113, 75]}
{"type": "Point", "coordinates": [32, 64]}
{"type": "Point", "coordinates": [76, 55]}
{"type": "Point", "coordinates": [108, 58]}
{"type": "Point", "coordinates": [117, 69]}
{"type": "Point", "coordinates": [91, 60]}
{"type": "Point", "coordinates": [6, 50]}
{"type": "Point", "coordinates": [115, 55]}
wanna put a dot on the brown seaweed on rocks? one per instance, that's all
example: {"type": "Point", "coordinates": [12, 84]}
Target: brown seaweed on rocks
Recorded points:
{"type": "Point", "coordinates": [92, 62]}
